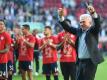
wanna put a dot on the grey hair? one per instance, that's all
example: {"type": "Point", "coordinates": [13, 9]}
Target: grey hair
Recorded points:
{"type": "Point", "coordinates": [83, 16]}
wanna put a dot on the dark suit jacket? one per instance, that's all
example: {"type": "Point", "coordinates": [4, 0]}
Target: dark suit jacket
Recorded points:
{"type": "Point", "coordinates": [91, 39]}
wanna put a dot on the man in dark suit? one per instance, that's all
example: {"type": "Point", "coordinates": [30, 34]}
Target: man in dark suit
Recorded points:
{"type": "Point", "coordinates": [87, 43]}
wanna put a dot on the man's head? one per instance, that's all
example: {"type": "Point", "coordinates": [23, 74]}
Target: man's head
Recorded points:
{"type": "Point", "coordinates": [35, 31]}
{"type": "Point", "coordinates": [2, 25]}
{"type": "Point", "coordinates": [85, 21]}
{"type": "Point", "coordinates": [17, 29]}
{"type": "Point", "coordinates": [25, 29]}
{"type": "Point", "coordinates": [48, 31]}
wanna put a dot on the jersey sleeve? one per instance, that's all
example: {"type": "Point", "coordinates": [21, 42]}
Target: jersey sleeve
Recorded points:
{"type": "Point", "coordinates": [8, 39]}
{"type": "Point", "coordinates": [32, 39]}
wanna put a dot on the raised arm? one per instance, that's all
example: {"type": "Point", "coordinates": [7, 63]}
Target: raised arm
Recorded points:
{"type": "Point", "coordinates": [64, 23]}
{"type": "Point", "coordinates": [97, 24]}
{"type": "Point", "coordinates": [96, 19]}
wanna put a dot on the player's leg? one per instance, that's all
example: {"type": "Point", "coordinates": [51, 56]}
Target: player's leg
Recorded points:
{"type": "Point", "coordinates": [54, 69]}
{"type": "Point", "coordinates": [3, 71]}
{"type": "Point", "coordinates": [30, 76]}
{"type": "Point", "coordinates": [29, 65]}
{"type": "Point", "coordinates": [15, 59]}
{"type": "Point", "coordinates": [48, 77]}
{"type": "Point", "coordinates": [14, 65]}
{"type": "Point", "coordinates": [22, 66]}
{"type": "Point", "coordinates": [47, 71]}
{"type": "Point", "coordinates": [72, 69]}
{"type": "Point", "coordinates": [64, 70]}
{"type": "Point", "coordinates": [10, 70]}
{"type": "Point", "coordinates": [36, 57]}
{"type": "Point", "coordinates": [23, 74]}
{"type": "Point", "coordinates": [37, 62]}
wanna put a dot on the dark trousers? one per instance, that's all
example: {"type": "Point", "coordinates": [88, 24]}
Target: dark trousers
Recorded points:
{"type": "Point", "coordinates": [68, 70]}
{"type": "Point", "coordinates": [36, 58]}
{"type": "Point", "coordinates": [86, 70]}
{"type": "Point", "coordinates": [15, 60]}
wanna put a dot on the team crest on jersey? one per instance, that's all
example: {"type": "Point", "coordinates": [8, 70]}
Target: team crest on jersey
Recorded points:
{"type": "Point", "coordinates": [72, 36]}
{"type": "Point", "coordinates": [2, 38]}
{"type": "Point", "coordinates": [27, 39]}
{"type": "Point", "coordinates": [12, 45]}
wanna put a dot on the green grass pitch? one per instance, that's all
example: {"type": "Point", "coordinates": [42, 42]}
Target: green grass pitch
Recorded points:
{"type": "Point", "coordinates": [100, 75]}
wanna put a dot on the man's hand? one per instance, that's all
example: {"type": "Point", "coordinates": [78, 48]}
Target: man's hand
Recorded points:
{"type": "Point", "coordinates": [65, 37]}
{"type": "Point", "coordinates": [45, 42]}
{"type": "Point", "coordinates": [91, 9]}
{"type": "Point", "coordinates": [61, 12]}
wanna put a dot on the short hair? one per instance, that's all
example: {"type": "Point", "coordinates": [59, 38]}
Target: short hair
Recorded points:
{"type": "Point", "coordinates": [49, 27]}
{"type": "Point", "coordinates": [35, 30]}
{"type": "Point", "coordinates": [17, 26]}
{"type": "Point", "coordinates": [85, 16]}
{"type": "Point", "coordinates": [26, 26]}
{"type": "Point", "coordinates": [3, 21]}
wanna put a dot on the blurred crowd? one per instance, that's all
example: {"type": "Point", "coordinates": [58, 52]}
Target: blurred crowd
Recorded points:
{"type": "Point", "coordinates": [45, 11]}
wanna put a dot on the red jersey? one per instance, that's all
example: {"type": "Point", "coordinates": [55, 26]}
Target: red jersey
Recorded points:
{"type": "Point", "coordinates": [68, 53]}
{"type": "Point", "coordinates": [10, 53]}
{"type": "Point", "coordinates": [26, 52]}
{"type": "Point", "coordinates": [5, 39]}
{"type": "Point", "coordinates": [49, 53]}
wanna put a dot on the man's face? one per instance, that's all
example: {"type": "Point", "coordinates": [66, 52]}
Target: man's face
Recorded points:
{"type": "Point", "coordinates": [24, 31]}
{"type": "Point", "coordinates": [85, 23]}
{"type": "Point", "coordinates": [16, 30]}
{"type": "Point", "coordinates": [35, 32]}
{"type": "Point", "coordinates": [2, 26]}
{"type": "Point", "coordinates": [47, 31]}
